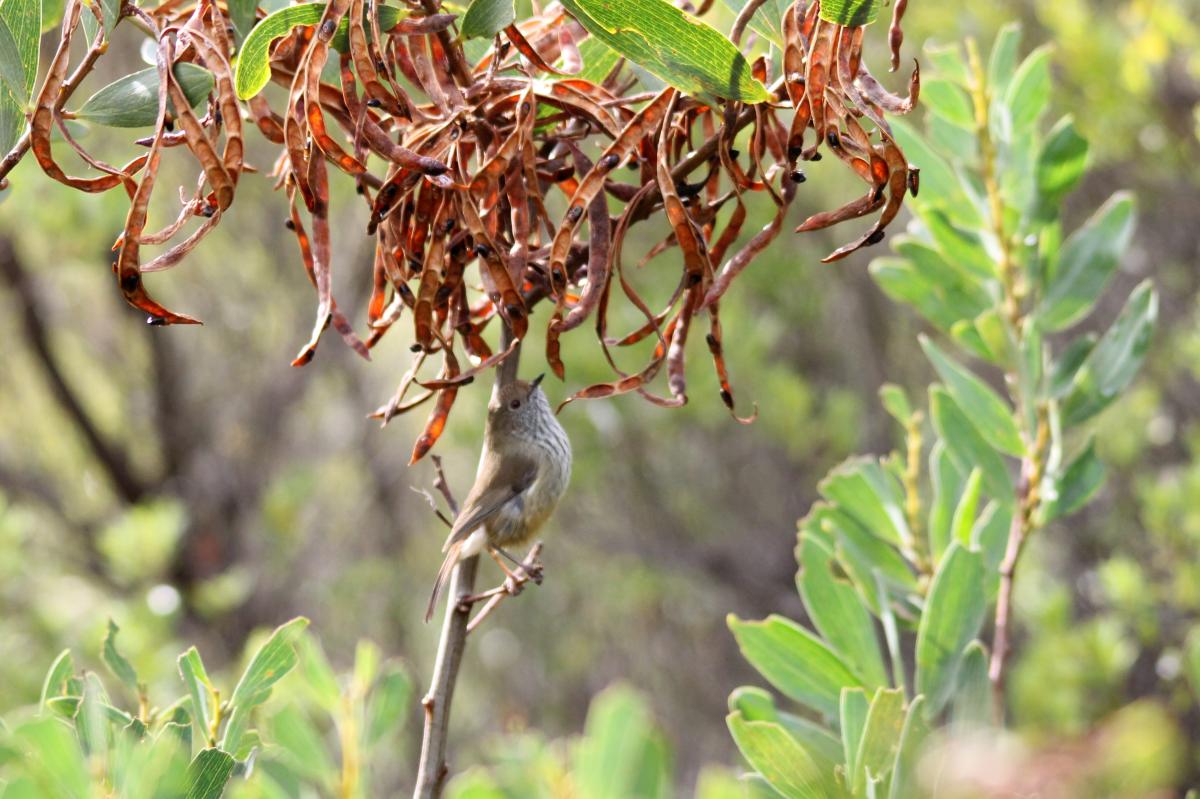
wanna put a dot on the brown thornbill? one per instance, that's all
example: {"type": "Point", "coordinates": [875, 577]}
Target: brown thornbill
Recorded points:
{"type": "Point", "coordinates": [523, 471]}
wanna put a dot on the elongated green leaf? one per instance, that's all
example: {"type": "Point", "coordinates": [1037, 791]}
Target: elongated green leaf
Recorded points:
{"type": "Point", "coordinates": [1062, 161]}
{"type": "Point", "coordinates": [1088, 259]}
{"type": "Point", "coordinates": [51, 756]}
{"type": "Point", "coordinates": [973, 699]}
{"type": "Point", "coordinates": [1003, 59]}
{"type": "Point", "coordinates": [294, 732]}
{"type": "Point", "coordinates": [486, 18]}
{"type": "Point", "coordinates": [989, 414]}
{"type": "Point", "coordinates": [948, 101]}
{"type": "Point", "coordinates": [191, 669]}
{"type": "Point", "coordinates": [24, 20]}
{"type": "Point", "coordinates": [684, 51]}
{"type": "Point", "coordinates": [387, 704]}
{"type": "Point", "coordinates": [967, 447]}
{"type": "Point", "coordinates": [1079, 483]}
{"type": "Point", "coordinates": [795, 661]}
{"type": "Point", "coordinates": [318, 674]}
{"type": "Point", "coordinates": [270, 663]}
{"type": "Point", "coordinates": [954, 612]}
{"type": "Point", "coordinates": [851, 13]}
{"type": "Point", "coordinates": [242, 14]}
{"type": "Point", "coordinates": [968, 505]}
{"type": "Point", "coordinates": [132, 101]}
{"type": "Point", "coordinates": [959, 245]}
{"type": "Point", "coordinates": [1068, 363]}
{"type": "Point", "coordinates": [1029, 92]}
{"type": "Point", "coordinates": [253, 66]}
{"type": "Point", "coordinates": [940, 186]}
{"type": "Point", "coordinates": [947, 483]}
{"type": "Point", "coordinates": [895, 401]}
{"type": "Point", "coordinates": [598, 59]}
{"type": "Point", "coordinates": [777, 756]}
{"type": "Point", "coordinates": [834, 606]}
{"type": "Point", "coordinates": [12, 71]}
{"type": "Point", "coordinates": [60, 671]}
{"type": "Point", "coordinates": [853, 716]}
{"type": "Point", "coordinates": [911, 737]}
{"type": "Point", "coordinates": [880, 738]}
{"type": "Point", "coordinates": [52, 14]}
{"type": "Point", "coordinates": [121, 668]}
{"type": "Point", "coordinates": [863, 489]}
{"type": "Point", "coordinates": [208, 773]}
{"type": "Point", "coordinates": [757, 704]}
{"type": "Point", "coordinates": [1115, 359]}
{"type": "Point", "coordinates": [618, 747]}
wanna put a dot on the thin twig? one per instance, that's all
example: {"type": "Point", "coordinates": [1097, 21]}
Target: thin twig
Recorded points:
{"type": "Point", "coordinates": [530, 571]}
{"type": "Point", "coordinates": [432, 767]}
{"type": "Point", "coordinates": [441, 485]}
{"type": "Point", "coordinates": [743, 19]}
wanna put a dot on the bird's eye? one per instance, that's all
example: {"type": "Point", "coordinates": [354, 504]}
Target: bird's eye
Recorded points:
{"type": "Point", "coordinates": [514, 404]}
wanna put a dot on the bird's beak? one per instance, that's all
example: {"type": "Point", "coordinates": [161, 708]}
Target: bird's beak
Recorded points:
{"type": "Point", "coordinates": [537, 380]}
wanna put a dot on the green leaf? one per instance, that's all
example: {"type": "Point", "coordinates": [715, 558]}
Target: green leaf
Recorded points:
{"type": "Point", "coordinates": [51, 756]}
{"type": "Point", "coordinates": [880, 738]}
{"type": "Point", "coordinates": [121, 668]}
{"type": "Point", "coordinates": [1003, 58]}
{"type": "Point", "coordinates": [863, 489]}
{"type": "Point", "coordinates": [948, 63]}
{"type": "Point", "coordinates": [851, 13]}
{"type": "Point", "coordinates": [911, 737]}
{"type": "Point", "coordinates": [954, 612]}
{"type": "Point", "coordinates": [242, 15]}
{"type": "Point", "coordinates": [52, 14]}
{"type": "Point", "coordinates": [619, 750]}
{"type": "Point", "coordinates": [968, 506]}
{"type": "Point", "coordinates": [1068, 364]}
{"type": "Point", "coordinates": [1088, 259]}
{"type": "Point", "coordinates": [834, 607]}
{"type": "Point", "coordinates": [853, 716]}
{"type": "Point", "coordinates": [767, 20]}
{"type": "Point", "coordinates": [990, 414]}
{"type": "Point", "coordinates": [973, 699]}
{"type": "Point", "coordinates": [947, 482]}
{"type": "Point", "coordinates": [1077, 484]}
{"type": "Point", "coordinates": [92, 721]}
{"type": "Point", "coordinates": [191, 669]}
{"type": "Point", "coordinates": [1061, 162]}
{"type": "Point", "coordinates": [485, 18]}
{"type": "Point", "coordinates": [61, 670]}
{"type": "Point", "coordinates": [318, 674]}
{"type": "Point", "coordinates": [598, 60]}
{"type": "Point", "coordinates": [24, 20]}
{"type": "Point", "coordinates": [132, 101]}
{"type": "Point", "coordinates": [686, 52]}
{"type": "Point", "coordinates": [1029, 92]}
{"type": "Point", "coordinates": [12, 71]}
{"type": "Point", "coordinates": [253, 66]}
{"type": "Point", "coordinates": [770, 750]}
{"type": "Point", "coordinates": [895, 401]}
{"type": "Point", "coordinates": [757, 704]}
{"type": "Point", "coordinates": [387, 704]}
{"type": "Point", "coordinates": [948, 101]}
{"type": "Point", "coordinates": [208, 773]}
{"type": "Point", "coordinates": [958, 245]}
{"type": "Point", "coordinates": [295, 734]}
{"type": "Point", "coordinates": [795, 661]}
{"type": "Point", "coordinates": [274, 659]}
{"type": "Point", "coordinates": [940, 187]}
{"type": "Point", "coordinates": [1115, 359]}
{"type": "Point", "coordinates": [968, 447]}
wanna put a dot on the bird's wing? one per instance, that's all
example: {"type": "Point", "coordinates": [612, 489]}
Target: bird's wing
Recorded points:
{"type": "Point", "coordinates": [491, 493]}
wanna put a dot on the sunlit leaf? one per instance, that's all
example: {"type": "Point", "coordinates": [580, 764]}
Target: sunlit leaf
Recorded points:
{"type": "Point", "coordinates": [990, 415]}
{"type": "Point", "coordinates": [1078, 483]}
{"type": "Point", "coordinates": [795, 661]}
{"type": "Point", "coordinates": [1061, 162]}
{"type": "Point", "coordinates": [1088, 259]}
{"type": "Point", "coordinates": [121, 668]}
{"type": "Point", "coordinates": [973, 700]}
{"type": "Point", "coordinates": [777, 757]}
{"type": "Point", "coordinates": [208, 773]}
{"type": "Point", "coordinates": [880, 738]}
{"type": "Point", "coordinates": [270, 663]}
{"type": "Point", "coordinates": [954, 612]}
{"type": "Point", "coordinates": [486, 18]}
{"type": "Point", "coordinates": [684, 51]}
{"type": "Point", "coordinates": [967, 447]}
{"type": "Point", "coordinates": [1029, 92]}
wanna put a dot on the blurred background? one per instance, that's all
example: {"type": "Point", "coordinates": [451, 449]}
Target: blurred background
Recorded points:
{"type": "Point", "coordinates": [193, 486]}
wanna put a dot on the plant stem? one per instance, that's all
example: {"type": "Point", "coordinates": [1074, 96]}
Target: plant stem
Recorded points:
{"type": "Point", "coordinates": [432, 768]}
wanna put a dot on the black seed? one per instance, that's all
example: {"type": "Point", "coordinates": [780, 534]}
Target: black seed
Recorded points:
{"type": "Point", "coordinates": [575, 212]}
{"type": "Point", "coordinates": [130, 282]}
{"type": "Point", "coordinates": [156, 321]}
{"type": "Point", "coordinates": [208, 210]}
{"type": "Point", "coordinates": [359, 189]}
{"type": "Point", "coordinates": [217, 117]}
{"type": "Point", "coordinates": [632, 165]}
{"type": "Point", "coordinates": [610, 161]}
{"type": "Point", "coordinates": [442, 294]}
{"type": "Point", "coordinates": [289, 224]}
{"type": "Point", "coordinates": [169, 124]}
{"type": "Point", "coordinates": [794, 152]}
{"type": "Point", "coordinates": [713, 344]}
{"type": "Point", "coordinates": [833, 139]}
{"type": "Point", "coordinates": [327, 29]}
{"type": "Point", "coordinates": [405, 291]}
{"type": "Point", "coordinates": [875, 238]}
{"type": "Point", "coordinates": [515, 311]}
{"type": "Point", "coordinates": [727, 398]}
{"type": "Point", "coordinates": [414, 263]}
{"type": "Point", "coordinates": [373, 103]}
{"type": "Point", "coordinates": [415, 347]}
{"type": "Point", "coordinates": [816, 157]}
{"type": "Point", "coordinates": [447, 226]}
{"type": "Point", "coordinates": [798, 176]}
{"type": "Point", "coordinates": [694, 278]}
{"type": "Point", "coordinates": [524, 108]}
{"type": "Point", "coordinates": [914, 180]}
{"type": "Point", "coordinates": [482, 250]}
{"type": "Point", "coordinates": [380, 66]}
{"type": "Point", "coordinates": [734, 154]}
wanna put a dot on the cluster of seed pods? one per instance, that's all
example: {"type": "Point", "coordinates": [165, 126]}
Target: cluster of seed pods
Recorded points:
{"type": "Point", "coordinates": [461, 166]}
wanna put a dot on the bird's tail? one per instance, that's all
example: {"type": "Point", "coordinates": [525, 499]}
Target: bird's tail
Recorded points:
{"type": "Point", "coordinates": [442, 576]}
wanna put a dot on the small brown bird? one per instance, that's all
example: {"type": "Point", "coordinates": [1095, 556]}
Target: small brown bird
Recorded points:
{"type": "Point", "coordinates": [523, 471]}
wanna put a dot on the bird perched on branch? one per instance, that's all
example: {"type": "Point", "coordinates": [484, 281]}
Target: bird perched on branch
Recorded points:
{"type": "Point", "coordinates": [523, 471]}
